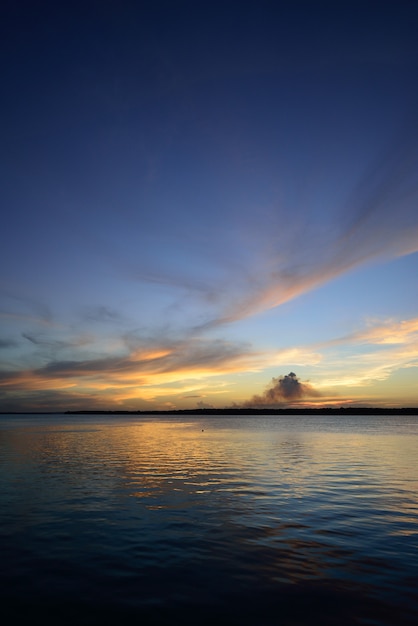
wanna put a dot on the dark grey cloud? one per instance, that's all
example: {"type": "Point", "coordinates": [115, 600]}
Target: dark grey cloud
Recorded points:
{"type": "Point", "coordinates": [282, 391]}
{"type": "Point", "coordinates": [103, 314]}
{"type": "Point", "coordinates": [182, 358]}
{"type": "Point", "coordinates": [45, 342]}
{"type": "Point", "coordinates": [182, 352]}
{"type": "Point", "coordinates": [38, 340]}
{"type": "Point", "coordinates": [47, 400]}
{"type": "Point", "coordinates": [40, 388]}
{"type": "Point", "coordinates": [203, 353]}
{"type": "Point", "coordinates": [15, 305]}
{"type": "Point", "coordinates": [7, 343]}
{"type": "Point", "coordinates": [73, 368]}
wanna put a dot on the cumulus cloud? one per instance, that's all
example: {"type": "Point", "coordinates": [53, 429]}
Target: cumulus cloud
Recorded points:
{"type": "Point", "coordinates": [283, 391]}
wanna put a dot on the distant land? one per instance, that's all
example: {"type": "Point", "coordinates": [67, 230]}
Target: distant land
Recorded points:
{"type": "Point", "coordinates": [240, 411]}
{"type": "Point", "coordinates": [234, 411]}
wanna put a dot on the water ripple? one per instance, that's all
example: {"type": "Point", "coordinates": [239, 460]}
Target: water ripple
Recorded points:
{"type": "Point", "coordinates": [177, 521]}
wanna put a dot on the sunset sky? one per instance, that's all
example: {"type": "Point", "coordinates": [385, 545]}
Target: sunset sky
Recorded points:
{"type": "Point", "coordinates": [201, 198]}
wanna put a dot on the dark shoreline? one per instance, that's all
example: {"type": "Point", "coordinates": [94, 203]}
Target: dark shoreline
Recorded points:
{"type": "Point", "coordinates": [238, 411]}
{"type": "Point", "coordinates": [234, 411]}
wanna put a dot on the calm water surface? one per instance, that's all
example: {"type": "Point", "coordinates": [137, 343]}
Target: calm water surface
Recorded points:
{"type": "Point", "coordinates": [199, 520]}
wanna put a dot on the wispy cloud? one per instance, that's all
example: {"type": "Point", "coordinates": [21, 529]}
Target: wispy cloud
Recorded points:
{"type": "Point", "coordinates": [151, 368]}
{"type": "Point", "coordinates": [347, 365]}
{"type": "Point", "coordinates": [162, 364]}
{"type": "Point", "coordinates": [378, 222]}
{"type": "Point", "coordinates": [381, 333]}
{"type": "Point", "coordinates": [58, 344]}
{"type": "Point", "coordinates": [102, 314]}
{"type": "Point", "coordinates": [370, 355]}
{"type": "Point", "coordinates": [7, 343]}
{"type": "Point", "coordinates": [21, 307]}
{"type": "Point", "coordinates": [159, 366]}
{"type": "Point", "coordinates": [214, 283]}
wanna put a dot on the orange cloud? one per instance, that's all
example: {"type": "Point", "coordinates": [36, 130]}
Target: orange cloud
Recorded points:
{"type": "Point", "coordinates": [381, 333]}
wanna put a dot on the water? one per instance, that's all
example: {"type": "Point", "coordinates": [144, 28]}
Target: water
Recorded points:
{"type": "Point", "coordinates": [201, 520]}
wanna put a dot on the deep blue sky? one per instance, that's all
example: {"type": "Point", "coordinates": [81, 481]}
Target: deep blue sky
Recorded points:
{"type": "Point", "coordinates": [199, 197]}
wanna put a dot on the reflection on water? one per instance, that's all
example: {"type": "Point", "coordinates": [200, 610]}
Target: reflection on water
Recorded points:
{"type": "Point", "coordinates": [245, 520]}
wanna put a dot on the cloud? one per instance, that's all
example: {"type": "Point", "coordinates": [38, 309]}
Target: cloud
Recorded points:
{"type": "Point", "coordinates": [385, 347]}
{"type": "Point", "coordinates": [151, 366]}
{"type": "Point", "coordinates": [7, 343]}
{"type": "Point", "coordinates": [102, 314]}
{"type": "Point", "coordinates": [16, 306]}
{"type": "Point", "coordinates": [49, 400]}
{"type": "Point", "coordinates": [42, 341]}
{"type": "Point", "coordinates": [159, 366]}
{"type": "Point", "coordinates": [204, 405]}
{"type": "Point", "coordinates": [386, 333]}
{"type": "Point", "coordinates": [135, 375]}
{"type": "Point", "coordinates": [379, 221]}
{"type": "Point", "coordinates": [378, 333]}
{"type": "Point", "coordinates": [265, 257]}
{"type": "Point", "coordinates": [283, 391]}
{"type": "Point", "coordinates": [359, 370]}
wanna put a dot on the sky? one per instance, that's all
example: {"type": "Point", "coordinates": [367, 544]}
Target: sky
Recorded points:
{"type": "Point", "coordinates": [208, 204]}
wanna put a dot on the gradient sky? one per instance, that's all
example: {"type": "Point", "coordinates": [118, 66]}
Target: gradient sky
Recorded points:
{"type": "Point", "coordinates": [201, 198]}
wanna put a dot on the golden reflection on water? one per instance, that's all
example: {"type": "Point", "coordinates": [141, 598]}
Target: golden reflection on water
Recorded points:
{"type": "Point", "coordinates": [260, 502]}
{"type": "Point", "coordinates": [151, 457]}
{"type": "Point", "coordinates": [257, 475]}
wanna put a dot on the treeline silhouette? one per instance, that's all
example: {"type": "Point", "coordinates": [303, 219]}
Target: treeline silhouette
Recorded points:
{"type": "Point", "coordinates": [241, 411]}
